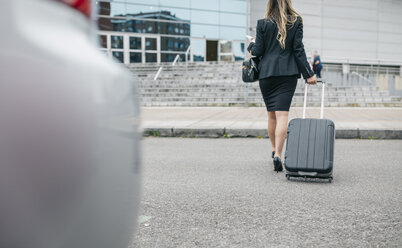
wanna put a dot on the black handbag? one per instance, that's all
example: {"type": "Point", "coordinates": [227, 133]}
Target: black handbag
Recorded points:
{"type": "Point", "coordinates": [250, 70]}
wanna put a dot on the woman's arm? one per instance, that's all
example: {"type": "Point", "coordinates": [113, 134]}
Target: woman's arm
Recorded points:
{"type": "Point", "coordinates": [300, 54]}
{"type": "Point", "coordinates": [257, 48]}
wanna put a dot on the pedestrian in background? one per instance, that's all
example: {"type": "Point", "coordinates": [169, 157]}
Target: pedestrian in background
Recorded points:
{"type": "Point", "coordinates": [283, 58]}
{"type": "Point", "coordinates": [317, 66]}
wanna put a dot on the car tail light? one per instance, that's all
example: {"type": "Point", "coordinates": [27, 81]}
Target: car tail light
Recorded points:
{"type": "Point", "coordinates": [84, 6]}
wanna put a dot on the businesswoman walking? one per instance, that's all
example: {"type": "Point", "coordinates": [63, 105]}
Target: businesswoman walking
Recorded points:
{"type": "Point", "coordinates": [283, 59]}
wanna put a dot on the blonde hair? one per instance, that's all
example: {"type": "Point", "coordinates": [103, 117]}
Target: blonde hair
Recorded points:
{"type": "Point", "coordinates": [283, 13]}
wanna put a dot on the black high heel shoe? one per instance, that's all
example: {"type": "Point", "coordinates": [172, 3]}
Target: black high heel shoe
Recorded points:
{"type": "Point", "coordinates": [278, 164]}
{"type": "Point", "coordinates": [273, 154]}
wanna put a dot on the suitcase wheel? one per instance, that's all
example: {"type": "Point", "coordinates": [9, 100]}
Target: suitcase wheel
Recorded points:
{"type": "Point", "coordinates": [330, 179]}
{"type": "Point", "coordinates": [287, 177]}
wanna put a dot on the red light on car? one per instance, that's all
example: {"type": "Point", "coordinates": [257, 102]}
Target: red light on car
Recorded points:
{"type": "Point", "coordinates": [84, 6]}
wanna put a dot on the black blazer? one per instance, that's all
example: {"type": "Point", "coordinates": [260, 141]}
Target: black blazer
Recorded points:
{"type": "Point", "coordinates": [276, 61]}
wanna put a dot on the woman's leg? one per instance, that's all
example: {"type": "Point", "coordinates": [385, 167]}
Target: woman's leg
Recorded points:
{"type": "Point", "coordinates": [280, 131]}
{"type": "Point", "coordinates": [271, 128]}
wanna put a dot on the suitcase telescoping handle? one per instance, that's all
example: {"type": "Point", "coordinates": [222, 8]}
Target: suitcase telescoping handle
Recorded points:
{"type": "Point", "coordinates": [322, 98]}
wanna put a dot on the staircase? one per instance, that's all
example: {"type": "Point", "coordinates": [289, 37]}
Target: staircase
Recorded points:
{"type": "Point", "coordinates": [219, 84]}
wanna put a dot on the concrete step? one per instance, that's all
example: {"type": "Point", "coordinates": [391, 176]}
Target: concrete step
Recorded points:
{"type": "Point", "coordinates": [219, 84]}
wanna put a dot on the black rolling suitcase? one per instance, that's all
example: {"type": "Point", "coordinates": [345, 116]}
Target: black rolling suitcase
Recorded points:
{"type": "Point", "coordinates": [310, 145]}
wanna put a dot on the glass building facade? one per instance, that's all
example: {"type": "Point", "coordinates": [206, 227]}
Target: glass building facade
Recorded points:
{"type": "Point", "coordinates": [142, 31]}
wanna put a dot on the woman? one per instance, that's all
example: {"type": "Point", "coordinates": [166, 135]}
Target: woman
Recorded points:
{"type": "Point", "coordinates": [279, 44]}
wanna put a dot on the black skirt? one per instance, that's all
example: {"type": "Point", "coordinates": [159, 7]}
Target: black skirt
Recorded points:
{"type": "Point", "coordinates": [278, 92]}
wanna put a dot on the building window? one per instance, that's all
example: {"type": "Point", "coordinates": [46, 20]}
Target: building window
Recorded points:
{"type": "Point", "coordinates": [103, 41]}
{"type": "Point", "coordinates": [135, 58]}
{"type": "Point", "coordinates": [150, 57]}
{"type": "Point", "coordinates": [226, 46]}
{"type": "Point", "coordinates": [135, 43]}
{"type": "Point", "coordinates": [150, 44]}
{"type": "Point", "coordinates": [239, 51]}
{"type": "Point", "coordinates": [119, 56]}
{"type": "Point", "coordinates": [117, 41]}
{"type": "Point", "coordinates": [169, 57]}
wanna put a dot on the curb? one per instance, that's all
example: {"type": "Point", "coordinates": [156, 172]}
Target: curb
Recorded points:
{"type": "Point", "coordinates": [262, 133]}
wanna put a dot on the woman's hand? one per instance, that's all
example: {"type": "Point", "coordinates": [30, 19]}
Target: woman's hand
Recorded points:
{"type": "Point", "coordinates": [312, 80]}
{"type": "Point", "coordinates": [250, 38]}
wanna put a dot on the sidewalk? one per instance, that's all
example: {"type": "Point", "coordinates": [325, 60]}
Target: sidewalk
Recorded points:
{"type": "Point", "coordinates": [377, 123]}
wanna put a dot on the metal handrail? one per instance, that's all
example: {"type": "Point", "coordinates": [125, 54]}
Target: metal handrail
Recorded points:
{"type": "Point", "coordinates": [186, 54]}
{"type": "Point", "coordinates": [361, 76]}
{"type": "Point", "coordinates": [366, 61]}
{"type": "Point", "coordinates": [176, 59]}
{"type": "Point", "coordinates": [158, 73]}
{"type": "Point", "coordinates": [174, 62]}
{"type": "Point", "coordinates": [178, 56]}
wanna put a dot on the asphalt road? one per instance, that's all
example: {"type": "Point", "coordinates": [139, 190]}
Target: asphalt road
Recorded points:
{"type": "Point", "coordinates": [224, 193]}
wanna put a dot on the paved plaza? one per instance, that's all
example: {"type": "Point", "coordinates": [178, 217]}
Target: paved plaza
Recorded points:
{"type": "Point", "coordinates": [224, 193]}
{"type": "Point", "coordinates": [243, 122]}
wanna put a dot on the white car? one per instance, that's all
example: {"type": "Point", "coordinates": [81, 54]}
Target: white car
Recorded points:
{"type": "Point", "coordinates": [69, 151]}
